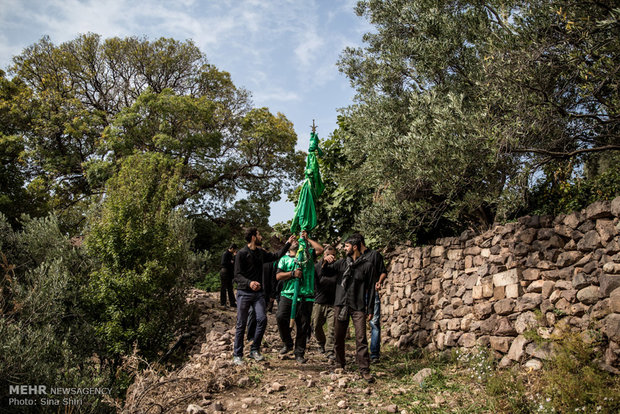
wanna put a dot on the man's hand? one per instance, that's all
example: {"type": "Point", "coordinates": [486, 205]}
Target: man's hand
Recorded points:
{"type": "Point", "coordinates": [304, 234]}
{"type": "Point", "coordinates": [254, 285]}
{"type": "Point", "coordinates": [378, 286]}
{"type": "Point", "coordinates": [297, 273]}
{"type": "Point", "coordinates": [291, 239]}
{"type": "Point", "coordinates": [329, 258]}
{"type": "Point", "coordinates": [369, 317]}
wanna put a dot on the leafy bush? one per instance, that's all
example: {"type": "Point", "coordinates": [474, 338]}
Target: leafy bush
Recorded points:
{"type": "Point", "coordinates": [211, 282]}
{"type": "Point", "coordinates": [142, 249]}
{"type": "Point", "coordinates": [46, 335]}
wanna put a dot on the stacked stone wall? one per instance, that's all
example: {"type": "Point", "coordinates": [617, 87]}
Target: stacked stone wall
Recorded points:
{"type": "Point", "coordinates": [540, 273]}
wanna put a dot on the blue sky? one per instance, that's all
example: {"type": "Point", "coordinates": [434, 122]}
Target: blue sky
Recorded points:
{"type": "Point", "coordinates": [284, 52]}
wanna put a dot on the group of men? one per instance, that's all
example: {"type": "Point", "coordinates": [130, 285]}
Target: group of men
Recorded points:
{"type": "Point", "coordinates": [331, 291]}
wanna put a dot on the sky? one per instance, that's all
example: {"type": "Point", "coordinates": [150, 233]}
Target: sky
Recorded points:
{"type": "Point", "coordinates": [283, 51]}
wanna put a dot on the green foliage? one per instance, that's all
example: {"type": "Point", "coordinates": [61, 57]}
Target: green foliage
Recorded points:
{"type": "Point", "coordinates": [141, 245]}
{"type": "Point", "coordinates": [211, 282]}
{"type": "Point", "coordinates": [462, 105]}
{"type": "Point", "coordinates": [46, 333]}
{"type": "Point", "coordinates": [86, 104]}
{"type": "Point", "coordinates": [573, 381]}
{"type": "Point", "coordinates": [562, 192]}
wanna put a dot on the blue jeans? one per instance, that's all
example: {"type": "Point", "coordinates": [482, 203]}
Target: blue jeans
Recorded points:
{"type": "Point", "coordinates": [245, 301]}
{"type": "Point", "coordinates": [375, 329]}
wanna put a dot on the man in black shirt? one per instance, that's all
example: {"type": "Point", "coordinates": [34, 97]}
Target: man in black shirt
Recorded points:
{"type": "Point", "coordinates": [353, 287]}
{"type": "Point", "coordinates": [226, 276]}
{"type": "Point", "coordinates": [248, 275]}
{"type": "Point", "coordinates": [323, 308]}
{"type": "Point", "coordinates": [375, 322]}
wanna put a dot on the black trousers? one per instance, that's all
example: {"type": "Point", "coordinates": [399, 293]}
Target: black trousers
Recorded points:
{"type": "Point", "coordinates": [226, 286]}
{"type": "Point", "coordinates": [302, 323]}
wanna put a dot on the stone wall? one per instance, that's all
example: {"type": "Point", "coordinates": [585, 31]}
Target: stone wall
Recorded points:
{"type": "Point", "coordinates": [541, 272]}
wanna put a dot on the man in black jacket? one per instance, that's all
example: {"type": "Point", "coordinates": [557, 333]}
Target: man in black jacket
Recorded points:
{"type": "Point", "coordinates": [353, 288]}
{"type": "Point", "coordinates": [226, 276]}
{"type": "Point", "coordinates": [248, 276]}
{"type": "Point", "coordinates": [323, 308]}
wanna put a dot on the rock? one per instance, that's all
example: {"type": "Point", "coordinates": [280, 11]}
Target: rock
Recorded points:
{"type": "Point", "coordinates": [506, 278]}
{"type": "Point", "coordinates": [342, 404]}
{"type": "Point", "coordinates": [525, 321]}
{"type": "Point", "coordinates": [531, 274]}
{"type": "Point", "coordinates": [504, 306]}
{"type": "Point", "coordinates": [500, 343]}
{"type": "Point", "coordinates": [590, 241]}
{"type": "Point", "coordinates": [244, 381]}
{"type": "Point", "coordinates": [608, 284]}
{"type": "Point", "coordinates": [533, 364]}
{"type": "Point", "coordinates": [367, 391]}
{"type": "Point", "coordinates": [504, 328]}
{"type": "Point", "coordinates": [528, 301]}
{"type": "Point", "coordinates": [615, 207]}
{"type": "Point", "coordinates": [588, 295]}
{"type": "Point", "coordinates": [505, 362]}
{"type": "Point", "coordinates": [611, 327]}
{"type": "Point", "coordinates": [536, 286]}
{"type": "Point", "coordinates": [392, 408]}
{"type": "Point", "coordinates": [597, 210]}
{"type": "Point", "coordinates": [310, 383]}
{"type": "Point", "coordinates": [614, 300]}
{"type": "Point", "coordinates": [218, 406]}
{"type": "Point", "coordinates": [542, 351]}
{"type": "Point", "coordinates": [611, 267]}
{"type": "Point", "coordinates": [482, 310]}
{"type": "Point", "coordinates": [568, 258]}
{"type": "Point", "coordinates": [512, 291]}
{"type": "Point", "coordinates": [467, 340]}
{"type": "Point", "coordinates": [517, 348]}
{"type": "Point", "coordinates": [275, 387]}
{"type": "Point", "coordinates": [579, 281]}
{"type": "Point", "coordinates": [547, 288]}
{"type": "Point", "coordinates": [195, 409]}
{"type": "Point", "coordinates": [499, 292]}
{"type": "Point", "coordinates": [421, 375]}
{"type": "Point", "coordinates": [342, 383]}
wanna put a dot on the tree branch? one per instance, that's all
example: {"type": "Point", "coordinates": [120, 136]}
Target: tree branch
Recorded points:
{"type": "Point", "coordinates": [557, 154]}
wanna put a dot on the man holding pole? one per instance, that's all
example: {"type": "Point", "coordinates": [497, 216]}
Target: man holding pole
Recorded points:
{"type": "Point", "coordinates": [297, 275]}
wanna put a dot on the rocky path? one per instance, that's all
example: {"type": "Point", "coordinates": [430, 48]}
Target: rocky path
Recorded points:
{"type": "Point", "coordinates": [208, 382]}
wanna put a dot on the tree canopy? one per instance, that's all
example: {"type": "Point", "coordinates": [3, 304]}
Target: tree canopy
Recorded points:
{"type": "Point", "coordinates": [463, 108]}
{"type": "Point", "coordinates": [88, 103]}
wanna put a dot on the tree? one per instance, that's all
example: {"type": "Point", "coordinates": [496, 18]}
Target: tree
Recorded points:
{"type": "Point", "coordinates": [141, 247]}
{"type": "Point", "coordinates": [96, 101]}
{"type": "Point", "coordinates": [460, 105]}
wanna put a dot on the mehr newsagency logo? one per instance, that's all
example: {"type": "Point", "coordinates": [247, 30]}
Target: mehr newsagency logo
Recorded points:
{"type": "Point", "coordinates": [32, 395]}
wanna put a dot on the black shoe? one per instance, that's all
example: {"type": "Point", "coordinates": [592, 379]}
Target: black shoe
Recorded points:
{"type": "Point", "coordinates": [285, 350]}
{"type": "Point", "coordinates": [234, 305]}
{"type": "Point", "coordinates": [300, 359]}
{"type": "Point", "coordinates": [374, 359]}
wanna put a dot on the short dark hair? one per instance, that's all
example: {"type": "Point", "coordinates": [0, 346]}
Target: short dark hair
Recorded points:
{"type": "Point", "coordinates": [361, 237]}
{"type": "Point", "coordinates": [252, 231]}
{"type": "Point", "coordinates": [354, 241]}
{"type": "Point", "coordinates": [329, 247]}
{"type": "Point", "coordinates": [233, 246]}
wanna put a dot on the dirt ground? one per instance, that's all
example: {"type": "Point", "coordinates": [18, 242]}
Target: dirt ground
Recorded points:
{"type": "Point", "coordinates": [208, 382]}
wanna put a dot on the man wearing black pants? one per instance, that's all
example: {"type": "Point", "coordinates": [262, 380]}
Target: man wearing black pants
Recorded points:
{"type": "Point", "coordinates": [288, 271]}
{"type": "Point", "coordinates": [248, 275]}
{"type": "Point", "coordinates": [353, 286]}
{"type": "Point", "coordinates": [226, 276]}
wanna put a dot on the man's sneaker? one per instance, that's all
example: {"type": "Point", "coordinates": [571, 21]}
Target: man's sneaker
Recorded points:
{"type": "Point", "coordinates": [300, 359]}
{"type": "Point", "coordinates": [256, 356]}
{"type": "Point", "coordinates": [285, 349]}
{"type": "Point", "coordinates": [238, 360]}
{"type": "Point", "coordinates": [368, 377]}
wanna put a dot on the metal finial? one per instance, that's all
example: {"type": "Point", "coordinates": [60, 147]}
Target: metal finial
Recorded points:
{"type": "Point", "coordinates": [314, 126]}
